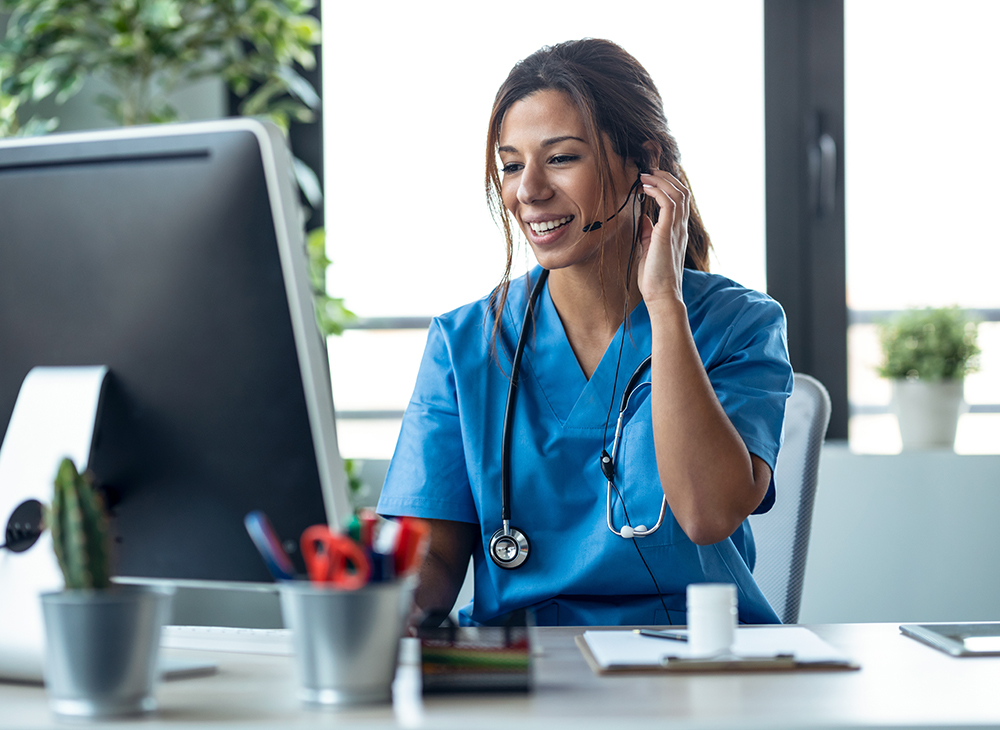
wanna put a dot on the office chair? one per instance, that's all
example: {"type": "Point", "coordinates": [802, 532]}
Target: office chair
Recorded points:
{"type": "Point", "coordinates": [782, 534]}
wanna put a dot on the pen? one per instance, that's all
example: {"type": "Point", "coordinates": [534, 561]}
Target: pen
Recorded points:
{"type": "Point", "coordinates": [368, 523]}
{"type": "Point", "coordinates": [673, 635]}
{"type": "Point", "coordinates": [269, 546]}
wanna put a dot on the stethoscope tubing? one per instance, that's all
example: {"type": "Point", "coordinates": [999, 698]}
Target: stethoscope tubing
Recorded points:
{"type": "Point", "coordinates": [508, 417]}
{"type": "Point", "coordinates": [509, 547]}
{"type": "Point", "coordinates": [631, 388]}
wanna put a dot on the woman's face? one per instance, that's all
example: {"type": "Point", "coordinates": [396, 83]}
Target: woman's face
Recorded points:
{"type": "Point", "coordinates": [550, 181]}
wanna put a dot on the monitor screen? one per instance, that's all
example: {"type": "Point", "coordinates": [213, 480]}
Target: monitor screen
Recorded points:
{"type": "Point", "coordinates": [175, 256]}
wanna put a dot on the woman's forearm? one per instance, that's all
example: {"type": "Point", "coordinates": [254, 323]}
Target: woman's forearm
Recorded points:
{"type": "Point", "coordinates": [445, 566]}
{"type": "Point", "coordinates": [709, 478]}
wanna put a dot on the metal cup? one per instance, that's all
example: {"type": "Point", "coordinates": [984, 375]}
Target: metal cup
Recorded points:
{"type": "Point", "coordinates": [101, 648]}
{"type": "Point", "coordinates": [346, 642]}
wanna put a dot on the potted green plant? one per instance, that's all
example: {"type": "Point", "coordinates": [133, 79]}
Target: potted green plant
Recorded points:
{"type": "Point", "coordinates": [926, 353]}
{"type": "Point", "coordinates": [102, 639]}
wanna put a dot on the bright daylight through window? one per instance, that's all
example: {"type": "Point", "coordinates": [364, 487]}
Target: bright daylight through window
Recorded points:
{"type": "Point", "coordinates": [922, 189]}
{"type": "Point", "coordinates": [407, 100]}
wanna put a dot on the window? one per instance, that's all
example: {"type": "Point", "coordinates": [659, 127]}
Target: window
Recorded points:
{"type": "Point", "coordinates": [408, 96]}
{"type": "Point", "coordinates": [921, 186]}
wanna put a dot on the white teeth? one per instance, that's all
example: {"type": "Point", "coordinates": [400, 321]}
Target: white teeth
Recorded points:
{"type": "Point", "coordinates": [549, 225]}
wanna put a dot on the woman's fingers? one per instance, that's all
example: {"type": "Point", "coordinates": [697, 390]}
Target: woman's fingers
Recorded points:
{"type": "Point", "coordinates": [664, 245]}
{"type": "Point", "coordinates": [675, 205]}
{"type": "Point", "coordinates": [670, 193]}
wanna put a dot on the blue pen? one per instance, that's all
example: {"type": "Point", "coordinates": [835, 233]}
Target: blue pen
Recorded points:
{"type": "Point", "coordinates": [374, 534]}
{"type": "Point", "coordinates": [268, 545]}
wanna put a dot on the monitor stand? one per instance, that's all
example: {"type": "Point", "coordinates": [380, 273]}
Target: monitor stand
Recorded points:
{"type": "Point", "coordinates": [54, 417]}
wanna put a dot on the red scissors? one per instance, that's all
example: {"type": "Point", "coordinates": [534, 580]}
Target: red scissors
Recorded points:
{"type": "Point", "coordinates": [334, 559]}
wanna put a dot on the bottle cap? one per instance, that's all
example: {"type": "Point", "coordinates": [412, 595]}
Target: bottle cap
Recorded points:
{"type": "Point", "coordinates": [704, 595]}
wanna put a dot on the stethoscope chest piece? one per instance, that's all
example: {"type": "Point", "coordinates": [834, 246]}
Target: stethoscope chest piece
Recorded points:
{"type": "Point", "coordinates": [509, 547]}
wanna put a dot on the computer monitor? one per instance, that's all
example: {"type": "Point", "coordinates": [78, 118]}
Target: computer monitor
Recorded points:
{"type": "Point", "coordinates": [175, 256]}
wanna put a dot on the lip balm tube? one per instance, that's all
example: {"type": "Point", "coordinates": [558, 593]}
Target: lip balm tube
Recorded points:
{"type": "Point", "coordinates": [711, 616]}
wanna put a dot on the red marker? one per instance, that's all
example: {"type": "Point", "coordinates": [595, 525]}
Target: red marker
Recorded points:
{"type": "Point", "coordinates": [412, 541]}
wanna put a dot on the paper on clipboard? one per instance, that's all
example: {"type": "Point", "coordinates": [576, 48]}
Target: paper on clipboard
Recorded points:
{"type": "Point", "coordinates": [756, 648]}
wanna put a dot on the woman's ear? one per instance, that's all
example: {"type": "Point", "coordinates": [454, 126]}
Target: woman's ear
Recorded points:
{"type": "Point", "coordinates": [652, 156]}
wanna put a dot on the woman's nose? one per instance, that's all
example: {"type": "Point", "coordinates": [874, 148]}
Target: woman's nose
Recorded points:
{"type": "Point", "coordinates": [534, 185]}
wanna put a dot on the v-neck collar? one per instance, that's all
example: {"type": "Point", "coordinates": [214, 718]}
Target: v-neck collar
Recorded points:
{"type": "Point", "coordinates": [576, 401]}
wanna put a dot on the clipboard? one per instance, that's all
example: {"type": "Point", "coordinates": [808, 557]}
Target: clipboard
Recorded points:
{"type": "Point", "coordinates": [769, 649]}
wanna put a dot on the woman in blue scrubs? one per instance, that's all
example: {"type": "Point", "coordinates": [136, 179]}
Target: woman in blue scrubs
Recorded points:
{"type": "Point", "coordinates": [605, 530]}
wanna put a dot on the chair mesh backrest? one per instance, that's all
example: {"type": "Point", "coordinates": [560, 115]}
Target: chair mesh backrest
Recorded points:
{"type": "Point", "coordinates": [782, 534]}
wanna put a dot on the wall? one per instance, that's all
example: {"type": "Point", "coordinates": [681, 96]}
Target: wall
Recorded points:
{"type": "Point", "coordinates": [904, 538]}
{"type": "Point", "coordinates": [205, 99]}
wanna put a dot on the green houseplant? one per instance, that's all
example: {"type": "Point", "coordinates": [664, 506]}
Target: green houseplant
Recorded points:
{"type": "Point", "coordinates": [331, 314]}
{"type": "Point", "coordinates": [102, 639]}
{"type": "Point", "coordinates": [926, 353]}
{"type": "Point", "coordinates": [147, 49]}
{"type": "Point", "coordinates": [81, 535]}
{"type": "Point", "coordinates": [10, 125]}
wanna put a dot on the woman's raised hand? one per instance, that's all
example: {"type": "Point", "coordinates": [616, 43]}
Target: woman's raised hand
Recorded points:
{"type": "Point", "coordinates": [661, 258]}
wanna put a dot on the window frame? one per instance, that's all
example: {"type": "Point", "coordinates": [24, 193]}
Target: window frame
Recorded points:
{"type": "Point", "coordinates": [805, 237]}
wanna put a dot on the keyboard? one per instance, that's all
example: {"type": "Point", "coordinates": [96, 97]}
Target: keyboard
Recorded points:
{"type": "Point", "coordinates": [277, 642]}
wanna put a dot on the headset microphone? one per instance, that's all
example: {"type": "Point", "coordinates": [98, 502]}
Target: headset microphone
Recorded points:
{"type": "Point", "coordinates": [640, 196]}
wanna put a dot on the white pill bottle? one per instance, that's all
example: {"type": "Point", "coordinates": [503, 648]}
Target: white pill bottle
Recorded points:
{"type": "Point", "coordinates": [711, 617]}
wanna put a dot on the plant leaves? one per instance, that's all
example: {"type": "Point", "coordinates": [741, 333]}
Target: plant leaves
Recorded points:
{"type": "Point", "coordinates": [929, 344]}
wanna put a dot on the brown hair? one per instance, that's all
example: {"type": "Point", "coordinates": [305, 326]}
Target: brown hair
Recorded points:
{"type": "Point", "coordinates": [617, 97]}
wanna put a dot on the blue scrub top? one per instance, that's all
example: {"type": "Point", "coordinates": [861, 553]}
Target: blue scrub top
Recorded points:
{"type": "Point", "coordinates": [447, 459]}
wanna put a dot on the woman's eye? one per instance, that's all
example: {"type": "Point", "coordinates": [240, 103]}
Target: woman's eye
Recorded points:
{"type": "Point", "coordinates": [510, 167]}
{"type": "Point", "coordinates": [562, 159]}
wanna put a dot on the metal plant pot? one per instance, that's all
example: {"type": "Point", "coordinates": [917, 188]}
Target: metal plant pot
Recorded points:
{"type": "Point", "coordinates": [101, 649]}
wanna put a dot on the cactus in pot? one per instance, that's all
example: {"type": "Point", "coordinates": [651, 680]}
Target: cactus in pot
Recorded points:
{"type": "Point", "coordinates": [102, 639]}
{"type": "Point", "coordinates": [80, 531]}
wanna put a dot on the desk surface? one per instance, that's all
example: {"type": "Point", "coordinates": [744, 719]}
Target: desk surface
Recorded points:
{"type": "Point", "coordinates": [901, 683]}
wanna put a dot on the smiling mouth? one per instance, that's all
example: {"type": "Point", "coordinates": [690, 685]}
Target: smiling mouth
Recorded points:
{"type": "Point", "coordinates": [543, 227]}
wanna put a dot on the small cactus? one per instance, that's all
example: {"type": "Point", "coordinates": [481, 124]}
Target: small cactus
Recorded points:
{"type": "Point", "coordinates": [80, 532]}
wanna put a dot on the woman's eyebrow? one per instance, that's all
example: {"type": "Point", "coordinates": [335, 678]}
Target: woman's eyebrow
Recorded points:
{"type": "Point", "coordinates": [556, 140]}
{"type": "Point", "coordinates": [545, 143]}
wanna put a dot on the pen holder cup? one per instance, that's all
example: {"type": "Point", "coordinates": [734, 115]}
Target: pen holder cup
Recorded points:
{"type": "Point", "coordinates": [346, 642]}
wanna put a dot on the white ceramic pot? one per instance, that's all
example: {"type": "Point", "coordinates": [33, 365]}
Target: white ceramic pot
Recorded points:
{"type": "Point", "coordinates": [928, 412]}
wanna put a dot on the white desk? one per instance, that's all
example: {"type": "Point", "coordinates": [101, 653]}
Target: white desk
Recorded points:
{"type": "Point", "coordinates": [901, 684]}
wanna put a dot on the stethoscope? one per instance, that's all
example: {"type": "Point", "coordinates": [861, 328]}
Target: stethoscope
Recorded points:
{"type": "Point", "coordinates": [509, 546]}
